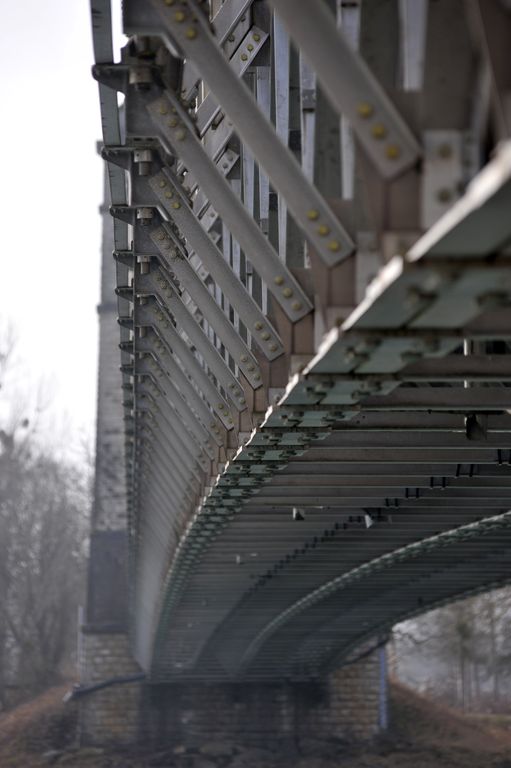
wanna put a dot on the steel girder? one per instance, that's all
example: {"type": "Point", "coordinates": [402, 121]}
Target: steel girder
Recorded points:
{"type": "Point", "coordinates": [314, 292]}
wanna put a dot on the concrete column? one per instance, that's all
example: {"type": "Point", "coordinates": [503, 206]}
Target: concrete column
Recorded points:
{"type": "Point", "coordinates": [108, 715]}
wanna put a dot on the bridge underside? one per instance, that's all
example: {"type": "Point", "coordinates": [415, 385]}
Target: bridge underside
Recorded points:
{"type": "Point", "coordinates": [314, 286]}
{"type": "Point", "coordinates": [383, 532]}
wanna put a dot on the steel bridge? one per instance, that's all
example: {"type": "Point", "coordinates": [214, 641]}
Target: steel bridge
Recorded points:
{"type": "Point", "coordinates": [311, 208]}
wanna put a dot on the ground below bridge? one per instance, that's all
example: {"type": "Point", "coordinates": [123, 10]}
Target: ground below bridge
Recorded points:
{"type": "Point", "coordinates": [423, 735]}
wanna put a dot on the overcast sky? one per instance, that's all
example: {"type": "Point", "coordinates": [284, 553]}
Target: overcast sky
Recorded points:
{"type": "Point", "coordinates": [51, 189]}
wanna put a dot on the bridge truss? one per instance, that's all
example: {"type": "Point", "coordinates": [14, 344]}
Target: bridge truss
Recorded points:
{"type": "Point", "coordinates": [311, 205]}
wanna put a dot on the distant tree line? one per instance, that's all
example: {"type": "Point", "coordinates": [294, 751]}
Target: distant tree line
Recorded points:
{"type": "Point", "coordinates": [44, 502]}
{"type": "Point", "coordinates": [459, 654]}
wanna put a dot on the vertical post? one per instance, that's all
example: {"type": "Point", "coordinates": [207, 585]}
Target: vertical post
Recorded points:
{"type": "Point", "coordinates": [383, 719]}
{"type": "Point", "coordinates": [107, 592]}
{"type": "Point", "coordinates": [108, 715]}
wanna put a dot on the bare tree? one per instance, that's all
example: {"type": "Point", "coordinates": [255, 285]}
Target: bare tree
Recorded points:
{"type": "Point", "coordinates": [43, 507]}
{"type": "Point", "coordinates": [459, 653]}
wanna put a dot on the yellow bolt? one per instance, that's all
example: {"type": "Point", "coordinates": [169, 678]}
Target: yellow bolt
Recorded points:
{"type": "Point", "coordinates": [244, 57]}
{"type": "Point", "coordinates": [180, 135]}
{"type": "Point", "coordinates": [169, 194]}
{"type": "Point", "coordinates": [278, 280]}
{"type": "Point", "coordinates": [244, 359]}
{"type": "Point", "coordinates": [296, 306]}
{"type": "Point", "coordinates": [169, 2]}
{"type": "Point", "coordinates": [161, 236]}
{"type": "Point", "coordinates": [287, 292]}
{"type": "Point", "coordinates": [272, 347]}
{"type": "Point", "coordinates": [323, 230]}
{"type": "Point", "coordinates": [258, 326]}
{"type": "Point", "coordinates": [176, 205]}
{"type": "Point", "coordinates": [392, 151]}
{"type": "Point", "coordinates": [250, 47]}
{"type": "Point", "coordinates": [364, 109]}
{"type": "Point", "coordinates": [334, 246]}
{"type": "Point", "coordinates": [313, 215]}
{"type": "Point", "coordinates": [379, 131]}
{"type": "Point", "coordinates": [256, 37]}
{"type": "Point", "coordinates": [191, 33]}
{"type": "Point", "coordinates": [250, 368]}
{"type": "Point", "coordinates": [257, 377]}
{"type": "Point", "coordinates": [173, 122]}
{"type": "Point", "coordinates": [265, 336]}
{"type": "Point", "coordinates": [179, 16]}
{"type": "Point", "coordinates": [162, 184]}
{"type": "Point", "coordinates": [163, 109]}
{"type": "Point", "coordinates": [242, 400]}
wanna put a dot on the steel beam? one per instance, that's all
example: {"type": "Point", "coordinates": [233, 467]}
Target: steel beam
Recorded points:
{"type": "Point", "coordinates": [310, 211]}
{"type": "Point", "coordinates": [176, 206]}
{"type": "Point", "coordinates": [189, 363]}
{"type": "Point", "coordinates": [351, 87]}
{"type": "Point", "coordinates": [173, 123]}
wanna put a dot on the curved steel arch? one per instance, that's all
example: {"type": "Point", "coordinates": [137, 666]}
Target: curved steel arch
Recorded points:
{"type": "Point", "coordinates": [404, 554]}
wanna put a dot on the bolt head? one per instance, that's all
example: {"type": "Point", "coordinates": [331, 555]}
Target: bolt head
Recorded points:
{"type": "Point", "coordinates": [364, 109]}
{"type": "Point", "coordinates": [378, 131]}
{"type": "Point", "coordinates": [392, 151]}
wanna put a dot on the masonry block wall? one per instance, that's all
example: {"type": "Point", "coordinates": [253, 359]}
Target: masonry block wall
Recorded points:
{"type": "Point", "coordinates": [279, 716]}
{"type": "Point", "coordinates": [345, 705]}
{"type": "Point", "coordinates": [354, 701]}
{"type": "Point", "coordinates": [110, 715]}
